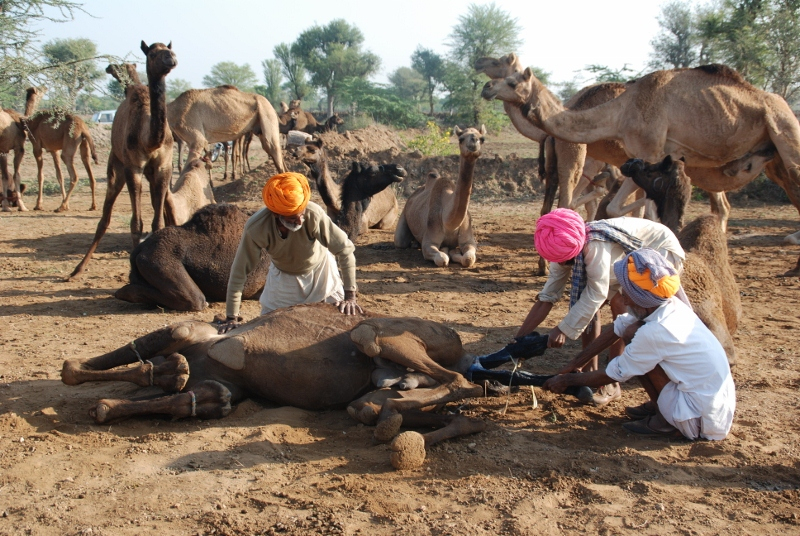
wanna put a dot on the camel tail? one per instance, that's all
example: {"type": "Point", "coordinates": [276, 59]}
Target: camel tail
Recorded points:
{"type": "Point", "coordinates": [87, 139]}
{"type": "Point", "coordinates": [270, 137]}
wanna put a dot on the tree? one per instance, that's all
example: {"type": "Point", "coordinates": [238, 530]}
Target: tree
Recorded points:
{"type": "Point", "coordinates": [229, 73]}
{"type": "Point", "coordinates": [783, 42]}
{"type": "Point", "coordinates": [175, 86]}
{"type": "Point", "coordinates": [332, 54]}
{"type": "Point", "coordinates": [408, 84]}
{"type": "Point", "coordinates": [603, 73]}
{"type": "Point", "coordinates": [675, 46]}
{"type": "Point", "coordinates": [78, 70]}
{"type": "Point", "coordinates": [431, 66]}
{"type": "Point", "coordinates": [292, 68]}
{"type": "Point", "coordinates": [380, 103]}
{"type": "Point", "coordinates": [272, 81]}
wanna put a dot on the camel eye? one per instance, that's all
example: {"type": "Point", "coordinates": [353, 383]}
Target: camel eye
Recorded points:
{"type": "Point", "coordinates": [483, 140]}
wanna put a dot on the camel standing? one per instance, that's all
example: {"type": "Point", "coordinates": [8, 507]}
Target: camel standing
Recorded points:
{"type": "Point", "coordinates": [203, 116]}
{"type": "Point", "coordinates": [437, 215]}
{"type": "Point", "coordinates": [59, 133]}
{"type": "Point", "coordinates": [141, 143]}
{"type": "Point", "coordinates": [12, 138]}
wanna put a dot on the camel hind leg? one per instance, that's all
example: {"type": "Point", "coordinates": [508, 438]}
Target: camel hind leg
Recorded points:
{"type": "Point", "coordinates": [167, 284]}
{"type": "Point", "coordinates": [85, 158]}
{"type": "Point", "coordinates": [402, 233]}
{"type": "Point", "coordinates": [68, 157]}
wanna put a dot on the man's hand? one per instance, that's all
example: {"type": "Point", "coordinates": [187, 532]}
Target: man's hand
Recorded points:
{"type": "Point", "coordinates": [228, 323]}
{"type": "Point", "coordinates": [556, 338]}
{"type": "Point", "coordinates": [630, 331]}
{"type": "Point", "coordinates": [557, 384]}
{"type": "Point", "coordinates": [349, 306]}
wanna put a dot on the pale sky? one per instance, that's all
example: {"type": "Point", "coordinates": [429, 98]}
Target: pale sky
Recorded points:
{"type": "Point", "coordinates": [560, 37]}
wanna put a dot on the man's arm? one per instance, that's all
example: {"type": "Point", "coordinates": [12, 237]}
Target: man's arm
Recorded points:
{"type": "Point", "coordinates": [607, 338]}
{"type": "Point", "coordinates": [536, 316]}
{"type": "Point", "coordinates": [559, 383]}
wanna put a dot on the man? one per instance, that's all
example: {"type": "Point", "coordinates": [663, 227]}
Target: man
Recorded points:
{"type": "Point", "coordinates": [301, 240]}
{"type": "Point", "coordinates": [585, 254]}
{"type": "Point", "coordinates": [679, 362]}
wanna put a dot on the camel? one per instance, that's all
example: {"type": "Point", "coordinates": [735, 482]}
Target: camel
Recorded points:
{"type": "Point", "coordinates": [330, 124]}
{"type": "Point", "coordinates": [437, 216]}
{"type": "Point", "coordinates": [184, 267]}
{"type": "Point", "coordinates": [141, 143]}
{"type": "Point", "coordinates": [346, 204]}
{"type": "Point", "coordinates": [667, 184]}
{"type": "Point", "coordinates": [59, 133]}
{"type": "Point", "coordinates": [192, 190]}
{"type": "Point", "coordinates": [726, 142]}
{"type": "Point", "coordinates": [12, 138]}
{"type": "Point", "coordinates": [200, 117]}
{"type": "Point", "coordinates": [126, 74]}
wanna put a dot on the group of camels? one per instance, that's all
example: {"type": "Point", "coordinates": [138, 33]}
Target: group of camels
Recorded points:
{"type": "Point", "coordinates": [205, 372]}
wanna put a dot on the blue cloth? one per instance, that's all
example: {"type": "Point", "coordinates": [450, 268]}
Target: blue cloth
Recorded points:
{"type": "Point", "coordinates": [646, 259]}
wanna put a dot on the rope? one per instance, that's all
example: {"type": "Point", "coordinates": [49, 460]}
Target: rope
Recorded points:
{"type": "Point", "coordinates": [194, 404]}
{"type": "Point", "coordinates": [510, 381]}
{"type": "Point", "coordinates": [135, 351]}
{"type": "Point", "coordinates": [152, 368]}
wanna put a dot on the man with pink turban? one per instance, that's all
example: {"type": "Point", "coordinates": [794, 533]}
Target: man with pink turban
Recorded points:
{"type": "Point", "coordinates": [678, 361]}
{"type": "Point", "coordinates": [584, 254]}
{"type": "Point", "coordinates": [302, 242]}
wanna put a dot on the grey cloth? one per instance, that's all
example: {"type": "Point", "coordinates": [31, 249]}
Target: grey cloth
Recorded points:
{"type": "Point", "coordinates": [659, 267]}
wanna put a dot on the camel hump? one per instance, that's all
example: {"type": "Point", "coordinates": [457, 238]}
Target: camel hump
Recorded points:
{"type": "Point", "coordinates": [718, 69]}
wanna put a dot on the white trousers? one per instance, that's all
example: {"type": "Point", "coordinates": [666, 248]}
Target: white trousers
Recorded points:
{"type": "Point", "coordinates": [323, 283]}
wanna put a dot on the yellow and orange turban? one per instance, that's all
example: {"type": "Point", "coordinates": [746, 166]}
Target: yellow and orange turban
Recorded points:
{"type": "Point", "coordinates": [648, 278]}
{"type": "Point", "coordinates": [286, 194]}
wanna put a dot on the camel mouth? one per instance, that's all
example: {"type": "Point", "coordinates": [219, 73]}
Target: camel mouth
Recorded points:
{"type": "Point", "coordinates": [400, 174]}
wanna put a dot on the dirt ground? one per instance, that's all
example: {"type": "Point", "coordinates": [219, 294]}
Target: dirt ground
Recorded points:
{"type": "Point", "coordinates": [561, 467]}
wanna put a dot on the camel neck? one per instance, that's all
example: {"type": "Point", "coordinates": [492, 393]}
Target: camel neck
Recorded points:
{"type": "Point", "coordinates": [463, 190]}
{"type": "Point", "coordinates": [329, 191]}
{"type": "Point", "coordinates": [157, 87]}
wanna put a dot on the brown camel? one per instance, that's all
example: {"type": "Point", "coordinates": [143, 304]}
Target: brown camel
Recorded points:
{"type": "Point", "coordinates": [59, 133]}
{"type": "Point", "coordinates": [126, 74]}
{"type": "Point", "coordinates": [284, 357]}
{"type": "Point", "coordinates": [366, 198]}
{"type": "Point", "coordinates": [12, 138]}
{"type": "Point", "coordinates": [192, 190]}
{"type": "Point", "coordinates": [437, 215]}
{"type": "Point", "coordinates": [141, 143]}
{"type": "Point", "coordinates": [667, 184]}
{"type": "Point", "coordinates": [200, 117]}
{"type": "Point", "coordinates": [330, 124]}
{"type": "Point", "coordinates": [727, 140]}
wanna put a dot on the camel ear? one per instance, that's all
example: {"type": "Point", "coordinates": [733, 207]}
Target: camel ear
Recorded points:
{"type": "Point", "coordinates": [169, 46]}
{"type": "Point", "coordinates": [527, 73]}
{"type": "Point", "coordinates": [457, 131]}
{"type": "Point", "coordinates": [356, 167]}
{"type": "Point", "coordinates": [667, 162]}
{"type": "Point", "coordinates": [511, 58]}
{"type": "Point", "coordinates": [483, 130]}
{"type": "Point", "coordinates": [145, 48]}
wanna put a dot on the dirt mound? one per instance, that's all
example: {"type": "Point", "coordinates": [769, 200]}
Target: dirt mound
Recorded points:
{"type": "Point", "coordinates": [101, 135]}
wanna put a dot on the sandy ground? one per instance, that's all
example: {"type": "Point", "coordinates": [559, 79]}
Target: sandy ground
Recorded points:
{"type": "Point", "coordinates": [561, 467]}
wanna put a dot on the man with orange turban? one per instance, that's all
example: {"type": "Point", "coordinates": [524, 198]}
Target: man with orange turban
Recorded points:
{"type": "Point", "coordinates": [583, 253]}
{"type": "Point", "coordinates": [302, 242]}
{"type": "Point", "coordinates": [678, 361]}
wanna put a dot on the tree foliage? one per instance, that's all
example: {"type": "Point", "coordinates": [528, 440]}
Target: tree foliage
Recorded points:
{"type": "Point", "coordinates": [273, 78]}
{"type": "Point", "coordinates": [381, 103]}
{"type": "Point", "coordinates": [676, 44]}
{"type": "Point", "coordinates": [175, 86]}
{"type": "Point", "coordinates": [333, 55]}
{"type": "Point", "coordinates": [408, 84]}
{"type": "Point", "coordinates": [228, 72]}
{"type": "Point", "coordinates": [75, 68]}
{"type": "Point", "coordinates": [431, 66]}
{"type": "Point", "coordinates": [294, 71]}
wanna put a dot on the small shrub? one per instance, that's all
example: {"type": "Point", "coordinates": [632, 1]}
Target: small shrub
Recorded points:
{"type": "Point", "coordinates": [356, 121]}
{"type": "Point", "coordinates": [433, 143]}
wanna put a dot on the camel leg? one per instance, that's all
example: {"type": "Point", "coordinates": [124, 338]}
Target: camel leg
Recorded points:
{"type": "Point", "coordinates": [467, 246]}
{"type": "Point", "coordinates": [208, 400]}
{"type": "Point", "coordinates": [615, 208]}
{"type": "Point", "coordinates": [174, 288]}
{"type": "Point", "coordinates": [270, 137]}
{"type": "Point", "coordinates": [5, 182]}
{"type": "Point", "coordinates": [164, 341]}
{"type": "Point", "coordinates": [133, 180]}
{"type": "Point", "coordinates": [570, 158]}
{"type": "Point", "coordinates": [68, 157]}
{"type": "Point", "coordinates": [794, 272]}
{"type": "Point", "coordinates": [116, 180]}
{"type": "Point", "coordinates": [402, 233]}
{"type": "Point", "coordinates": [85, 155]}
{"type": "Point", "coordinates": [19, 152]}
{"type": "Point", "coordinates": [37, 155]}
{"type": "Point", "coordinates": [159, 189]}
{"type": "Point", "coordinates": [721, 207]}
{"type": "Point", "coordinates": [447, 426]}
{"type": "Point", "coordinates": [431, 252]}
{"type": "Point", "coordinates": [59, 175]}
{"type": "Point", "coordinates": [226, 157]}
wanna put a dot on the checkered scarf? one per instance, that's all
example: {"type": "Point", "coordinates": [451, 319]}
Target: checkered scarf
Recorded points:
{"type": "Point", "coordinates": [598, 230]}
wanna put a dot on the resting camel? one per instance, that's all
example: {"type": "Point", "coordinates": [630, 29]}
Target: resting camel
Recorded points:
{"type": "Point", "coordinates": [727, 141]}
{"type": "Point", "coordinates": [200, 117]}
{"type": "Point", "coordinates": [437, 216]}
{"type": "Point", "coordinates": [330, 124]}
{"type": "Point", "coordinates": [141, 143]}
{"type": "Point", "coordinates": [184, 267]}
{"type": "Point", "coordinates": [59, 133]}
{"type": "Point", "coordinates": [366, 198]}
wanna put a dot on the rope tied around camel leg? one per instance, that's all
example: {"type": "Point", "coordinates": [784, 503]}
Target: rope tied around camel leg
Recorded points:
{"type": "Point", "coordinates": [142, 361]}
{"type": "Point", "coordinates": [194, 404]}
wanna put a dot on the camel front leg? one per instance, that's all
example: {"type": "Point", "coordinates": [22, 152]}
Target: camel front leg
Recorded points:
{"type": "Point", "coordinates": [19, 152]}
{"type": "Point", "coordinates": [617, 207]}
{"type": "Point", "coordinates": [59, 175]}
{"type": "Point", "coordinates": [431, 252]}
{"type": "Point", "coordinates": [5, 182]}
{"type": "Point", "coordinates": [68, 157]}
{"type": "Point", "coordinates": [208, 400]}
{"type": "Point", "coordinates": [721, 207]}
{"type": "Point", "coordinates": [467, 247]}
{"type": "Point", "coordinates": [37, 155]}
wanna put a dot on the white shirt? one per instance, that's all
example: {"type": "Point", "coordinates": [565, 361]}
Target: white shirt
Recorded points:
{"type": "Point", "coordinates": [599, 257]}
{"type": "Point", "coordinates": [675, 338]}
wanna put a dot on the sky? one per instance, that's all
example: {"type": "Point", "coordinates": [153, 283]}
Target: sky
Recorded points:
{"type": "Point", "coordinates": [560, 37]}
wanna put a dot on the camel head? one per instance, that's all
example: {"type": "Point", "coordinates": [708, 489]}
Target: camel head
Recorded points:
{"type": "Point", "coordinates": [499, 67]}
{"type": "Point", "coordinates": [470, 140]}
{"type": "Point", "coordinates": [312, 152]}
{"type": "Point", "coordinates": [666, 183]}
{"type": "Point", "coordinates": [284, 107]}
{"type": "Point", "coordinates": [294, 104]}
{"type": "Point", "coordinates": [516, 88]}
{"type": "Point", "coordinates": [160, 59]}
{"type": "Point", "coordinates": [358, 189]}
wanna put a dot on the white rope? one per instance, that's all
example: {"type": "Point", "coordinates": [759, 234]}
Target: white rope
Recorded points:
{"type": "Point", "coordinates": [135, 351]}
{"type": "Point", "coordinates": [152, 368]}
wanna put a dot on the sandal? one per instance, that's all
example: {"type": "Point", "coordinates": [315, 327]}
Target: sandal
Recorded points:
{"type": "Point", "coordinates": [641, 411]}
{"type": "Point", "coordinates": [654, 425]}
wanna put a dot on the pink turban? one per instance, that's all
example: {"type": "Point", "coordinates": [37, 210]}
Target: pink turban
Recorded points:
{"type": "Point", "coordinates": [560, 235]}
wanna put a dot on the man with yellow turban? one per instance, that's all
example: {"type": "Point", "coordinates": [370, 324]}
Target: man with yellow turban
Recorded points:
{"type": "Point", "coordinates": [302, 242]}
{"type": "Point", "coordinates": [583, 254]}
{"type": "Point", "coordinates": [678, 361]}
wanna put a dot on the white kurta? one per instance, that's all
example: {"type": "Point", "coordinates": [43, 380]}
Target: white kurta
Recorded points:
{"type": "Point", "coordinates": [601, 283]}
{"type": "Point", "coordinates": [700, 400]}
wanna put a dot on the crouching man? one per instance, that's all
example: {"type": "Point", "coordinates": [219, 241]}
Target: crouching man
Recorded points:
{"type": "Point", "coordinates": [678, 361]}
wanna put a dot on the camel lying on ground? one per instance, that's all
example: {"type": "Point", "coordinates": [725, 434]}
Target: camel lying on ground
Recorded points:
{"type": "Point", "coordinates": [330, 124]}
{"type": "Point", "coordinates": [59, 133]}
{"type": "Point", "coordinates": [185, 267]}
{"type": "Point", "coordinates": [141, 144]}
{"type": "Point", "coordinates": [367, 199]}
{"type": "Point", "coordinates": [437, 214]}
{"type": "Point", "coordinates": [727, 140]}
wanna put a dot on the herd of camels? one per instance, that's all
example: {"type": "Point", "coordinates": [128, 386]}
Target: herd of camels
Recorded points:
{"type": "Point", "coordinates": [667, 130]}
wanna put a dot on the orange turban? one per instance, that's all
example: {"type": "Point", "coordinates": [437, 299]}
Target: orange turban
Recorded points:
{"type": "Point", "coordinates": [286, 194]}
{"type": "Point", "coordinates": [665, 287]}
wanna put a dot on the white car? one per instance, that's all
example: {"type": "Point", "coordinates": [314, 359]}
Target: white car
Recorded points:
{"type": "Point", "coordinates": [104, 116]}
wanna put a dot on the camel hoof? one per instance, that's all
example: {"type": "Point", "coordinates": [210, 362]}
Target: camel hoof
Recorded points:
{"type": "Point", "coordinates": [173, 374]}
{"type": "Point", "coordinates": [37, 207]}
{"type": "Point", "coordinates": [441, 260]}
{"type": "Point", "coordinates": [62, 208]}
{"type": "Point", "coordinates": [468, 261]}
{"type": "Point", "coordinates": [408, 451]}
{"type": "Point", "coordinates": [100, 412]}
{"type": "Point", "coordinates": [792, 273]}
{"type": "Point", "coordinates": [93, 207]}
{"type": "Point", "coordinates": [388, 428]}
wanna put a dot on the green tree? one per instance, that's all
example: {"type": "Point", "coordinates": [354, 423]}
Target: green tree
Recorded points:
{"type": "Point", "coordinates": [783, 43]}
{"type": "Point", "coordinates": [332, 54]}
{"type": "Point", "coordinates": [431, 66]}
{"type": "Point", "coordinates": [294, 71]}
{"type": "Point", "coordinates": [228, 72]}
{"type": "Point", "coordinates": [380, 103]}
{"type": "Point", "coordinates": [603, 73]}
{"type": "Point", "coordinates": [676, 44]}
{"type": "Point", "coordinates": [272, 81]}
{"type": "Point", "coordinates": [408, 84]}
{"type": "Point", "coordinates": [175, 86]}
{"type": "Point", "coordinates": [77, 68]}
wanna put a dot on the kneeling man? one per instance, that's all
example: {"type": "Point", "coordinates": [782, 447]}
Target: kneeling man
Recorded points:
{"type": "Point", "coordinates": [679, 362]}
